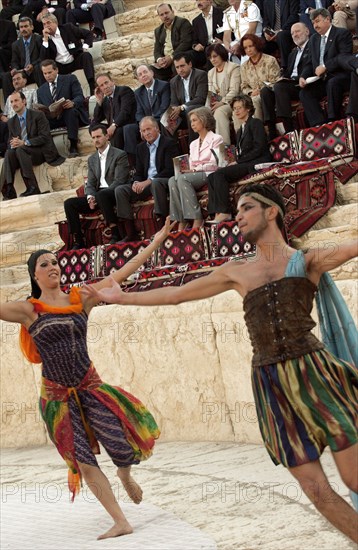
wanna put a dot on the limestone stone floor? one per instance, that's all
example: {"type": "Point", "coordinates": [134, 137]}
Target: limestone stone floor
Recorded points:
{"type": "Point", "coordinates": [231, 492]}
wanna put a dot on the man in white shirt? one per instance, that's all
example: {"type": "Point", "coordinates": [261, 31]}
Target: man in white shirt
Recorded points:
{"type": "Point", "coordinates": [19, 81]}
{"type": "Point", "coordinates": [206, 31]}
{"type": "Point", "coordinates": [64, 45]}
{"type": "Point", "coordinates": [239, 19]}
{"type": "Point", "coordinates": [107, 169]}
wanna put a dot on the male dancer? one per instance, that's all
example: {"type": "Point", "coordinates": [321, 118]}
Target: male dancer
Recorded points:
{"type": "Point", "coordinates": [304, 394]}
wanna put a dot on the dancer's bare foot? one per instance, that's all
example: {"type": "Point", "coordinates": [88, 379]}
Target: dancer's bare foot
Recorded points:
{"type": "Point", "coordinates": [119, 528]}
{"type": "Point", "coordinates": [131, 487]}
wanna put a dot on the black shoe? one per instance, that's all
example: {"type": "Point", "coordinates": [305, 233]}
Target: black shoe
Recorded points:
{"type": "Point", "coordinates": [114, 240]}
{"type": "Point", "coordinates": [31, 191]}
{"type": "Point", "coordinates": [73, 152]}
{"type": "Point", "coordinates": [129, 239]}
{"type": "Point", "coordinates": [77, 246]}
{"type": "Point", "coordinates": [9, 193]}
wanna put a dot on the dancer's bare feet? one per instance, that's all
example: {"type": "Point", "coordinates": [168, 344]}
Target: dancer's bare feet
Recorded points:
{"type": "Point", "coordinates": [131, 487]}
{"type": "Point", "coordinates": [119, 528]}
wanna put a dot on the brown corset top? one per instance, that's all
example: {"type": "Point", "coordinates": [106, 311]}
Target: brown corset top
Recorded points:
{"type": "Point", "coordinates": [278, 318]}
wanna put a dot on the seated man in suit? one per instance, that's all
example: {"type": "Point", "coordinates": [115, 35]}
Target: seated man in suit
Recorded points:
{"type": "Point", "coordinates": [31, 144]}
{"type": "Point", "coordinates": [324, 47]}
{"type": "Point", "coordinates": [188, 90]}
{"type": "Point", "coordinates": [58, 86]}
{"type": "Point", "coordinates": [115, 104]}
{"type": "Point", "coordinates": [58, 8]}
{"type": "Point", "coordinates": [25, 56]}
{"type": "Point", "coordinates": [345, 14]}
{"type": "Point", "coordinates": [205, 31]}
{"type": "Point", "coordinates": [153, 169]}
{"type": "Point", "coordinates": [14, 7]}
{"type": "Point", "coordinates": [64, 45]}
{"type": "Point", "coordinates": [91, 10]}
{"type": "Point", "coordinates": [107, 169]}
{"type": "Point", "coordinates": [276, 101]}
{"type": "Point", "coordinates": [19, 81]}
{"type": "Point", "coordinates": [279, 17]}
{"type": "Point", "coordinates": [152, 98]}
{"type": "Point", "coordinates": [7, 37]}
{"type": "Point", "coordinates": [306, 6]}
{"type": "Point", "coordinates": [349, 63]}
{"type": "Point", "coordinates": [174, 35]}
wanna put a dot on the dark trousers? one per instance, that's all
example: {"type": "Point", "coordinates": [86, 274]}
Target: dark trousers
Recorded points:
{"type": "Point", "coordinates": [131, 137]}
{"type": "Point", "coordinates": [23, 158]}
{"type": "Point", "coordinates": [334, 89]}
{"type": "Point", "coordinates": [276, 101]}
{"type": "Point", "coordinates": [70, 118]}
{"type": "Point", "coordinates": [75, 206]}
{"type": "Point", "coordinates": [83, 60]}
{"type": "Point", "coordinates": [219, 184]}
{"type": "Point", "coordinates": [97, 13]}
{"type": "Point", "coordinates": [10, 11]}
{"type": "Point", "coordinates": [125, 196]}
{"type": "Point", "coordinates": [352, 108]}
{"type": "Point", "coordinates": [4, 136]}
{"type": "Point", "coordinates": [5, 59]}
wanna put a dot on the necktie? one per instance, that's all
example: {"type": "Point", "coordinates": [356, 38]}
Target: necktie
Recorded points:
{"type": "Point", "coordinates": [277, 25]}
{"type": "Point", "coordinates": [150, 97]}
{"type": "Point", "coordinates": [23, 128]}
{"type": "Point", "coordinates": [53, 91]}
{"type": "Point", "coordinates": [27, 54]}
{"type": "Point", "coordinates": [110, 114]}
{"type": "Point", "coordinates": [321, 49]}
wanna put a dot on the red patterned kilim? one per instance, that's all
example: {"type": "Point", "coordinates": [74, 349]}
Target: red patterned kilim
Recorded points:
{"type": "Point", "coordinates": [285, 148]}
{"type": "Point", "coordinates": [334, 139]}
{"type": "Point", "coordinates": [185, 246]}
{"type": "Point", "coordinates": [110, 258]}
{"type": "Point", "coordinates": [76, 266]}
{"type": "Point", "coordinates": [226, 240]}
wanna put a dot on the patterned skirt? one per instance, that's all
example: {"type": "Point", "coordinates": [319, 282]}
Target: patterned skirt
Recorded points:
{"type": "Point", "coordinates": [305, 404]}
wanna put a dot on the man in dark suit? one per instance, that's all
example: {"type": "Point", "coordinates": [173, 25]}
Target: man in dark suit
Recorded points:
{"type": "Point", "coordinates": [31, 144]}
{"type": "Point", "coordinates": [306, 6]}
{"type": "Point", "coordinates": [64, 44]}
{"type": "Point", "coordinates": [58, 86]}
{"type": "Point", "coordinates": [349, 63]}
{"type": "Point", "coordinates": [286, 89]}
{"type": "Point", "coordinates": [152, 98]}
{"type": "Point", "coordinates": [153, 169]}
{"type": "Point", "coordinates": [7, 36]}
{"type": "Point", "coordinates": [205, 31]}
{"type": "Point", "coordinates": [166, 44]}
{"type": "Point", "coordinates": [280, 16]}
{"type": "Point", "coordinates": [25, 55]}
{"type": "Point", "coordinates": [324, 47]}
{"type": "Point", "coordinates": [58, 8]}
{"type": "Point", "coordinates": [86, 12]}
{"type": "Point", "coordinates": [107, 169]}
{"type": "Point", "coordinates": [115, 104]}
{"type": "Point", "coordinates": [188, 90]}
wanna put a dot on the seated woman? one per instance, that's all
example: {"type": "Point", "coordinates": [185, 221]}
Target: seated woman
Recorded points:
{"type": "Point", "coordinates": [260, 70]}
{"type": "Point", "coordinates": [183, 203]}
{"type": "Point", "coordinates": [251, 148]}
{"type": "Point", "coordinates": [224, 85]}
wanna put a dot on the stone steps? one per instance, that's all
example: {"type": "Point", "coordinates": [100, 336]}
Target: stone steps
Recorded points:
{"type": "Point", "coordinates": [17, 246]}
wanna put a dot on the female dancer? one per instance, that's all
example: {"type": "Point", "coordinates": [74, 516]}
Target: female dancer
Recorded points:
{"type": "Point", "coordinates": [78, 408]}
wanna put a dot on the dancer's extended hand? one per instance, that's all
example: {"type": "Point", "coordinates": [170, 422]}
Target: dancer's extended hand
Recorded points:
{"type": "Point", "coordinates": [110, 294]}
{"type": "Point", "coordinates": [162, 234]}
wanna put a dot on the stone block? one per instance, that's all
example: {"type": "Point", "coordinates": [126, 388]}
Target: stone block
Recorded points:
{"type": "Point", "coordinates": [138, 45]}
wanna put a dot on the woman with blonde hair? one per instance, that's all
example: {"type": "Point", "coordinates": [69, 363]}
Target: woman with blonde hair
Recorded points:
{"type": "Point", "coordinates": [183, 203]}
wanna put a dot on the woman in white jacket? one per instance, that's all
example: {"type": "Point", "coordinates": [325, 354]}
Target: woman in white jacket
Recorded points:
{"type": "Point", "coordinates": [224, 85]}
{"type": "Point", "coordinates": [183, 204]}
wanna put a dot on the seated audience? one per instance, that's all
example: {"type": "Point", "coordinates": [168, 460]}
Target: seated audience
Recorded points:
{"type": "Point", "coordinates": [276, 101]}
{"type": "Point", "coordinates": [306, 6]}
{"type": "Point", "coordinates": [107, 168]}
{"type": "Point", "coordinates": [73, 113]}
{"type": "Point", "coordinates": [64, 45]}
{"type": "Point", "coordinates": [91, 10]}
{"type": "Point", "coordinates": [324, 47]}
{"type": "Point", "coordinates": [31, 144]}
{"type": "Point", "coordinates": [345, 14]}
{"type": "Point", "coordinates": [206, 31]}
{"type": "Point", "coordinates": [22, 7]}
{"type": "Point", "coordinates": [19, 82]}
{"type": "Point", "coordinates": [116, 105]}
{"type": "Point", "coordinates": [154, 167]}
{"type": "Point", "coordinates": [174, 35]}
{"type": "Point", "coordinates": [183, 203]}
{"type": "Point", "coordinates": [259, 71]}
{"type": "Point", "coordinates": [239, 19]}
{"type": "Point", "coordinates": [251, 148]}
{"type": "Point", "coordinates": [279, 17]}
{"type": "Point", "coordinates": [188, 90]}
{"type": "Point", "coordinates": [25, 56]}
{"type": "Point", "coordinates": [7, 37]}
{"type": "Point", "coordinates": [224, 85]}
{"type": "Point", "coordinates": [152, 99]}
